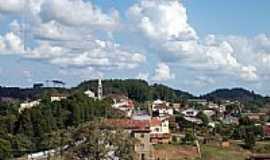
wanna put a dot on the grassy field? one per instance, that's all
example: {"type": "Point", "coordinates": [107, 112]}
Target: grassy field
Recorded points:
{"type": "Point", "coordinates": [210, 152]}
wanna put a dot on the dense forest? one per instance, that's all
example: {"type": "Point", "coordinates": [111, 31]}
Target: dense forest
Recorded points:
{"type": "Point", "coordinates": [239, 94]}
{"type": "Point", "coordinates": [16, 93]}
{"type": "Point", "coordinates": [138, 90]}
{"type": "Point", "coordinates": [43, 127]}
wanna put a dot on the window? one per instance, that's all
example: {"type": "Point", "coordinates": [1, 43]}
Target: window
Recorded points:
{"type": "Point", "coordinates": [142, 157]}
{"type": "Point", "coordinates": [142, 135]}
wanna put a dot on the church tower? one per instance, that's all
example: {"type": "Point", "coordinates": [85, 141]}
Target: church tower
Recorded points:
{"type": "Point", "coordinates": [100, 89]}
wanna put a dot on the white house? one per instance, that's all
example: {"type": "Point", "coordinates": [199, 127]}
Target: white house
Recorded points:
{"type": "Point", "coordinates": [193, 120]}
{"type": "Point", "coordinates": [126, 106]}
{"type": "Point", "coordinates": [162, 107]}
{"type": "Point", "coordinates": [159, 126]}
{"type": "Point", "coordinates": [190, 112]}
{"type": "Point", "coordinates": [89, 94]}
{"type": "Point", "coordinates": [159, 130]}
{"type": "Point", "coordinates": [28, 105]}
{"type": "Point", "coordinates": [57, 98]}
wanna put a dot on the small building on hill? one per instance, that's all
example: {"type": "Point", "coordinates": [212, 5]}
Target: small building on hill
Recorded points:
{"type": "Point", "coordinates": [28, 105]}
{"type": "Point", "coordinates": [57, 97]}
{"type": "Point", "coordinates": [90, 94]}
{"type": "Point", "coordinates": [162, 108]}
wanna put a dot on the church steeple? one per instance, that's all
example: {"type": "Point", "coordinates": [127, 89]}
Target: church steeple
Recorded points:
{"type": "Point", "coordinates": [100, 89]}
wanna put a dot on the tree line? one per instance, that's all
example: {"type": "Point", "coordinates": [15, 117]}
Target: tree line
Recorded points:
{"type": "Point", "coordinates": [40, 128]}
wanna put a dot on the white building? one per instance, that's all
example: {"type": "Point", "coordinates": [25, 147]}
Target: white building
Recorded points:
{"type": "Point", "coordinates": [28, 105]}
{"type": "Point", "coordinates": [90, 94]}
{"type": "Point", "coordinates": [159, 126]}
{"type": "Point", "coordinates": [57, 98]}
{"type": "Point", "coordinates": [190, 112]}
{"type": "Point", "coordinates": [162, 107]}
{"type": "Point", "coordinates": [126, 106]}
{"type": "Point", "coordinates": [159, 130]}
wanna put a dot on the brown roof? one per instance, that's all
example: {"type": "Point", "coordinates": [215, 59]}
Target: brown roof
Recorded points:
{"type": "Point", "coordinates": [155, 122]}
{"type": "Point", "coordinates": [131, 124]}
{"type": "Point", "coordinates": [127, 123]}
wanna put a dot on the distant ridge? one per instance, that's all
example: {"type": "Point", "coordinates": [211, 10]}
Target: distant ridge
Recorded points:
{"type": "Point", "coordinates": [139, 90]}
{"type": "Point", "coordinates": [239, 94]}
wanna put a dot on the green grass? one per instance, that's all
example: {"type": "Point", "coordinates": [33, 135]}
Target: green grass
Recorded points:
{"type": "Point", "coordinates": [210, 152]}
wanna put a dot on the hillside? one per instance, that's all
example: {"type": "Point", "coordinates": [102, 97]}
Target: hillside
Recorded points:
{"type": "Point", "coordinates": [250, 99]}
{"type": "Point", "coordinates": [138, 90]}
{"type": "Point", "coordinates": [239, 94]}
{"type": "Point", "coordinates": [12, 93]}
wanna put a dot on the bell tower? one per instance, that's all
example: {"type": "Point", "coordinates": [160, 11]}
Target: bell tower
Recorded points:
{"type": "Point", "coordinates": [100, 89]}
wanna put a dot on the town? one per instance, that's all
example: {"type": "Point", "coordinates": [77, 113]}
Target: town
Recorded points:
{"type": "Point", "coordinates": [134, 80]}
{"type": "Point", "coordinates": [162, 129]}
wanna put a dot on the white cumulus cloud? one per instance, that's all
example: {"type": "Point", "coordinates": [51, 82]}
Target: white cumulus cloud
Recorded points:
{"type": "Point", "coordinates": [77, 13]}
{"type": "Point", "coordinates": [165, 20]}
{"type": "Point", "coordinates": [163, 73]}
{"type": "Point", "coordinates": [11, 44]}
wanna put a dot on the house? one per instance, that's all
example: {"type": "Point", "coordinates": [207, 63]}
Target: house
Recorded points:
{"type": "Point", "coordinates": [160, 131]}
{"type": "Point", "coordinates": [57, 97]}
{"type": "Point", "coordinates": [266, 130]}
{"type": "Point", "coordinates": [127, 106]}
{"type": "Point", "coordinates": [212, 105]}
{"type": "Point", "coordinates": [90, 94]}
{"type": "Point", "coordinates": [143, 147]}
{"type": "Point", "coordinates": [190, 115]}
{"type": "Point", "coordinates": [162, 108]}
{"type": "Point", "coordinates": [140, 115]}
{"type": "Point", "coordinates": [126, 124]}
{"type": "Point", "coordinates": [122, 103]}
{"type": "Point", "coordinates": [28, 105]}
{"type": "Point", "coordinates": [193, 120]}
{"type": "Point", "coordinates": [139, 129]}
{"type": "Point", "coordinates": [190, 112]}
{"type": "Point", "coordinates": [159, 127]}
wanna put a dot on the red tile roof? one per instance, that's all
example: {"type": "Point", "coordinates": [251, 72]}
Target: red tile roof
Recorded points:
{"type": "Point", "coordinates": [132, 124]}
{"type": "Point", "coordinates": [127, 123]}
{"type": "Point", "coordinates": [155, 122]}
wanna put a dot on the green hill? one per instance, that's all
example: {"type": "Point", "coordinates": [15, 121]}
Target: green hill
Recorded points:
{"type": "Point", "coordinates": [138, 90]}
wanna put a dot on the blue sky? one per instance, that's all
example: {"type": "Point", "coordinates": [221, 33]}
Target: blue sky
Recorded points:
{"type": "Point", "coordinates": [197, 46]}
